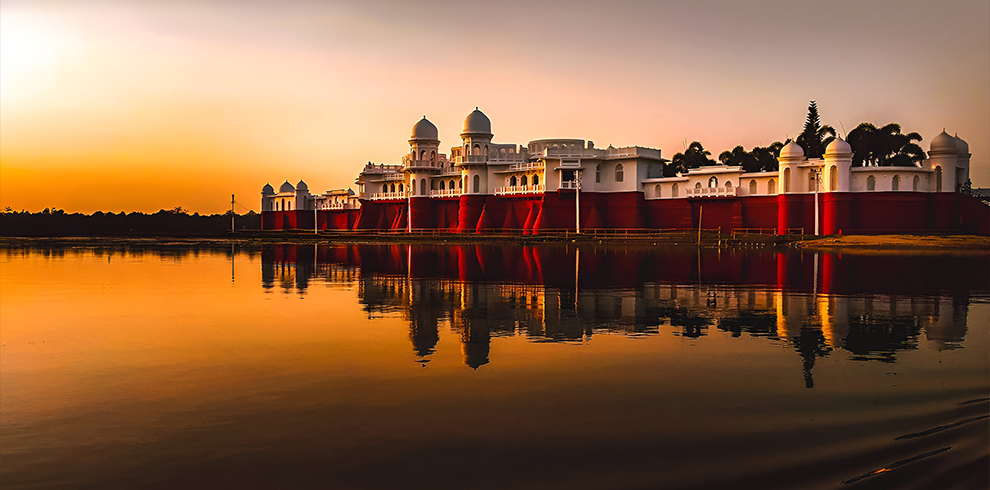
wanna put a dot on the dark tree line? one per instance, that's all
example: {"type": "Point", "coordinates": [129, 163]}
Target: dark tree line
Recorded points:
{"type": "Point", "coordinates": [871, 145]}
{"type": "Point", "coordinates": [175, 222]}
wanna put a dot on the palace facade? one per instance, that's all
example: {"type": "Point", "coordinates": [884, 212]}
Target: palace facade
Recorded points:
{"type": "Point", "coordinates": [553, 185]}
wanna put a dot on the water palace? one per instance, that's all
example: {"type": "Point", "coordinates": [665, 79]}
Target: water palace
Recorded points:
{"type": "Point", "coordinates": [552, 185]}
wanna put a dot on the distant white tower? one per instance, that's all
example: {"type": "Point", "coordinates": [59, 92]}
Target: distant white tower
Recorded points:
{"type": "Point", "coordinates": [476, 138]}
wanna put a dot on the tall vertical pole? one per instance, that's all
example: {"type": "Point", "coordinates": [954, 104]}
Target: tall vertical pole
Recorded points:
{"type": "Point", "coordinates": [818, 178]}
{"type": "Point", "coordinates": [231, 213]}
{"type": "Point", "coordinates": [701, 210]}
{"type": "Point", "coordinates": [577, 201]}
{"type": "Point", "coordinates": [316, 219]}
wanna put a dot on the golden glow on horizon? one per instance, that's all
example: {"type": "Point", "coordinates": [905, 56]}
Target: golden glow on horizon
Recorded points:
{"type": "Point", "coordinates": [155, 105]}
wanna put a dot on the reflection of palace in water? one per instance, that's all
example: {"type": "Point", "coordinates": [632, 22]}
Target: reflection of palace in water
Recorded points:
{"type": "Point", "coordinates": [866, 305]}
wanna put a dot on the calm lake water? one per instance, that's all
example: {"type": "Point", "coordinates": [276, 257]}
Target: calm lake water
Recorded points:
{"type": "Point", "coordinates": [395, 366]}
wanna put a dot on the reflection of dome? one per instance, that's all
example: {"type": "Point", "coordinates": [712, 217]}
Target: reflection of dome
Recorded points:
{"type": "Point", "coordinates": [477, 123]}
{"type": "Point", "coordinates": [838, 147]}
{"type": "Point", "coordinates": [944, 142]}
{"type": "Point", "coordinates": [424, 130]}
{"type": "Point", "coordinates": [962, 146]}
{"type": "Point", "coordinates": [287, 187]}
{"type": "Point", "coordinates": [267, 190]}
{"type": "Point", "coordinates": [301, 186]}
{"type": "Point", "coordinates": [792, 150]}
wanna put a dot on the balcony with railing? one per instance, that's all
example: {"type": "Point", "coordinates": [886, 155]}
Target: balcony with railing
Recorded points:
{"type": "Point", "coordinates": [570, 184]}
{"type": "Point", "coordinates": [520, 189]}
{"type": "Point", "coordinates": [470, 159]}
{"type": "Point", "coordinates": [412, 163]}
{"type": "Point", "coordinates": [392, 177]}
{"type": "Point", "coordinates": [445, 193]}
{"type": "Point", "coordinates": [379, 196]}
{"type": "Point", "coordinates": [632, 152]}
{"type": "Point", "coordinates": [375, 168]}
{"type": "Point", "coordinates": [725, 191]}
{"type": "Point", "coordinates": [519, 167]}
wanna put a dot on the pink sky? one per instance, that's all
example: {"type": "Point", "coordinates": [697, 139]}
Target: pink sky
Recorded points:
{"type": "Point", "coordinates": [146, 105]}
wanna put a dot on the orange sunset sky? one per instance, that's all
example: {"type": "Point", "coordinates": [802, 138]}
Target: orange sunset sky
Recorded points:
{"type": "Point", "coordinates": [143, 105]}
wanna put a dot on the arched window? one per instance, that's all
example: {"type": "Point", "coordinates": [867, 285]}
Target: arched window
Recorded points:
{"type": "Point", "coordinates": [598, 173]}
{"type": "Point", "coordinates": [460, 183]}
{"type": "Point", "coordinates": [422, 187]}
{"type": "Point", "coordinates": [400, 187]}
{"type": "Point", "coordinates": [467, 151]}
{"type": "Point", "coordinates": [502, 151]}
{"type": "Point", "coordinates": [895, 183]}
{"type": "Point", "coordinates": [536, 179]}
{"type": "Point", "coordinates": [673, 190]}
{"type": "Point", "coordinates": [728, 186]}
{"type": "Point", "coordinates": [486, 150]}
{"type": "Point", "coordinates": [713, 182]}
{"type": "Point", "coordinates": [290, 205]}
{"type": "Point", "coordinates": [697, 185]}
{"type": "Point", "coordinates": [433, 156]}
{"type": "Point", "coordinates": [938, 179]}
{"type": "Point", "coordinates": [871, 183]}
{"type": "Point", "coordinates": [522, 180]}
{"type": "Point", "coordinates": [787, 180]}
{"type": "Point", "coordinates": [752, 187]}
{"type": "Point", "coordinates": [422, 154]}
{"type": "Point", "coordinates": [833, 178]}
{"type": "Point", "coordinates": [451, 186]}
{"type": "Point", "coordinates": [771, 187]}
{"type": "Point", "coordinates": [384, 188]}
{"type": "Point", "coordinates": [443, 185]}
{"type": "Point", "coordinates": [914, 184]}
{"type": "Point", "coordinates": [512, 181]}
{"type": "Point", "coordinates": [618, 172]}
{"type": "Point", "coordinates": [393, 187]}
{"type": "Point", "coordinates": [656, 191]}
{"type": "Point", "coordinates": [477, 150]}
{"type": "Point", "coordinates": [477, 184]}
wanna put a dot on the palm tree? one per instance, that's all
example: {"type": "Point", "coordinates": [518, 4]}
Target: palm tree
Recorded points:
{"type": "Point", "coordinates": [815, 137]}
{"type": "Point", "coordinates": [694, 156]}
{"type": "Point", "coordinates": [759, 159]}
{"type": "Point", "coordinates": [885, 146]}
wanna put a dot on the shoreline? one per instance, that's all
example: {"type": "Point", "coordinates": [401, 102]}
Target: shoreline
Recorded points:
{"type": "Point", "coordinates": [925, 244]}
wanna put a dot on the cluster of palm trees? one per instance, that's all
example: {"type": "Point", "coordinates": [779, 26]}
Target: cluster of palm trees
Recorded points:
{"type": "Point", "coordinates": [871, 146]}
{"type": "Point", "coordinates": [884, 146]}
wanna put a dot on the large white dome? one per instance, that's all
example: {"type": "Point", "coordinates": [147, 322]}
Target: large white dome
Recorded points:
{"type": "Point", "coordinates": [792, 150]}
{"type": "Point", "coordinates": [943, 143]}
{"type": "Point", "coordinates": [838, 146]}
{"type": "Point", "coordinates": [301, 186]}
{"type": "Point", "coordinates": [962, 146]}
{"type": "Point", "coordinates": [267, 190]}
{"type": "Point", "coordinates": [286, 187]}
{"type": "Point", "coordinates": [477, 123]}
{"type": "Point", "coordinates": [424, 130]}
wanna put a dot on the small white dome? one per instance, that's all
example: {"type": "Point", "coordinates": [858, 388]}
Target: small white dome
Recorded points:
{"type": "Point", "coordinates": [301, 186]}
{"type": "Point", "coordinates": [267, 190]}
{"type": "Point", "coordinates": [792, 150]}
{"type": "Point", "coordinates": [477, 123]}
{"type": "Point", "coordinates": [944, 143]}
{"type": "Point", "coordinates": [286, 187]}
{"type": "Point", "coordinates": [838, 146]}
{"type": "Point", "coordinates": [424, 130]}
{"type": "Point", "coordinates": [962, 146]}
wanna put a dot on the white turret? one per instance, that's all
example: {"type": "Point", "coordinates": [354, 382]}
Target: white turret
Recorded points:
{"type": "Point", "coordinates": [791, 155]}
{"type": "Point", "coordinates": [838, 160]}
{"type": "Point", "coordinates": [943, 157]}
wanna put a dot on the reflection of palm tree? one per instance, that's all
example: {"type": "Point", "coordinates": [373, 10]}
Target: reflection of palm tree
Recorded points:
{"type": "Point", "coordinates": [811, 344]}
{"type": "Point", "coordinates": [884, 146]}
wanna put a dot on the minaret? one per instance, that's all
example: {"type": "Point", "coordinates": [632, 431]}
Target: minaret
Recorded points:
{"type": "Point", "coordinates": [943, 158]}
{"type": "Point", "coordinates": [476, 140]}
{"type": "Point", "coordinates": [421, 165]}
{"type": "Point", "coordinates": [837, 201]}
{"type": "Point", "coordinates": [788, 201]}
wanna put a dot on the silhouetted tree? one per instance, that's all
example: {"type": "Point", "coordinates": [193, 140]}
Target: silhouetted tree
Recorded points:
{"type": "Point", "coordinates": [815, 137]}
{"type": "Point", "coordinates": [885, 146]}
{"type": "Point", "coordinates": [694, 156]}
{"type": "Point", "coordinates": [759, 159]}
